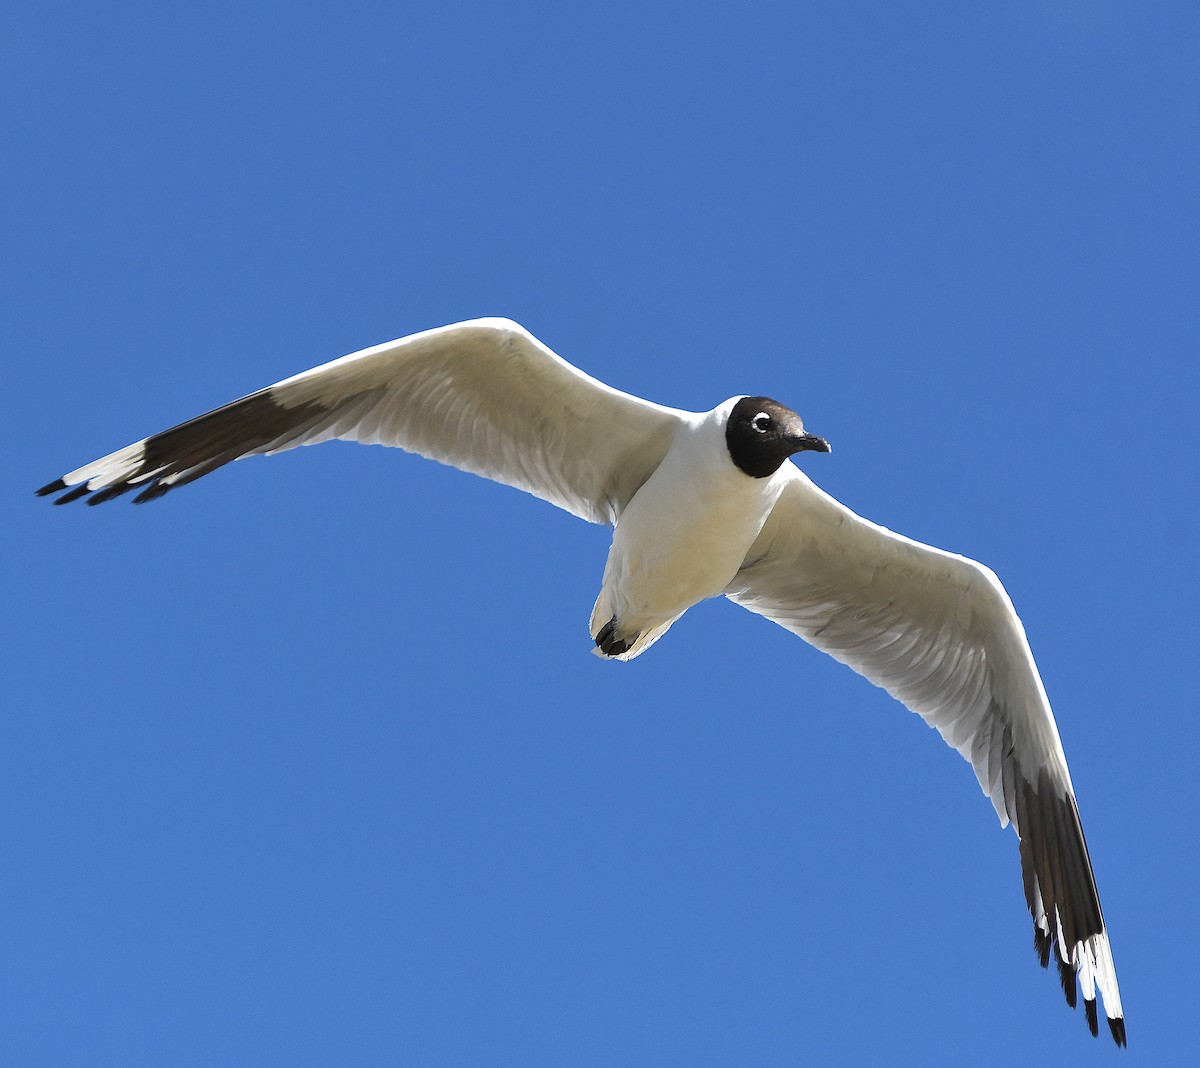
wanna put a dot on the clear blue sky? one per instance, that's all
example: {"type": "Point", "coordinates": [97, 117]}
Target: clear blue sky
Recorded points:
{"type": "Point", "coordinates": [310, 763]}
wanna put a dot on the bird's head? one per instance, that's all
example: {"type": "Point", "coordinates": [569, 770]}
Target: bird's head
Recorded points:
{"type": "Point", "coordinates": [761, 433]}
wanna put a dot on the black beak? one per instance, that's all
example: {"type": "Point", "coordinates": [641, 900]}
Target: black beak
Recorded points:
{"type": "Point", "coordinates": [810, 443]}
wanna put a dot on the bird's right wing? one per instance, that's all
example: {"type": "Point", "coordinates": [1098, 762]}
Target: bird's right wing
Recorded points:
{"type": "Point", "coordinates": [484, 396]}
{"type": "Point", "coordinates": [938, 632]}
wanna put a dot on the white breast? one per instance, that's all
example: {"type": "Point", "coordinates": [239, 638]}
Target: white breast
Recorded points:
{"type": "Point", "coordinates": [683, 536]}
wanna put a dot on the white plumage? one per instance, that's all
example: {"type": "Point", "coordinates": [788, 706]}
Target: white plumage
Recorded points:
{"type": "Point", "coordinates": [702, 504]}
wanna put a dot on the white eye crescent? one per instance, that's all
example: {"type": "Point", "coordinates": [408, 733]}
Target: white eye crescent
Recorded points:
{"type": "Point", "coordinates": [761, 422]}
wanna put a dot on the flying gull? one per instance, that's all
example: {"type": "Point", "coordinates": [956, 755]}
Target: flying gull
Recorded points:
{"type": "Point", "coordinates": [701, 504]}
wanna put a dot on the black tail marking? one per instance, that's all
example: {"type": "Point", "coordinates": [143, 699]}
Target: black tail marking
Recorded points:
{"type": "Point", "coordinates": [608, 643]}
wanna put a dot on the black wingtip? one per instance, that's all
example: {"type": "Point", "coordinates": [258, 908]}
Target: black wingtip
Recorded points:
{"type": "Point", "coordinates": [100, 496]}
{"type": "Point", "coordinates": [152, 492]}
{"type": "Point", "coordinates": [1067, 974]}
{"type": "Point", "coordinates": [1089, 1010]}
{"type": "Point", "coordinates": [1117, 1027]}
{"type": "Point", "coordinates": [79, 491]}
{"type": "Point", "coordinates": [52, 487]}
{"type": "Point", "coordinates": [1041, 946]}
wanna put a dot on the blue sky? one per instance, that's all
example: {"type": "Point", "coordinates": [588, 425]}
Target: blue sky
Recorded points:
{"type": "Point", "coordinates": [310, 763]}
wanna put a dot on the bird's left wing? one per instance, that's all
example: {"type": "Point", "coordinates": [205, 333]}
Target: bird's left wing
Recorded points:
{"type": "Point", "coordinates": [939, 633]}
{"type": "Point", "coordinates": [485, 396]}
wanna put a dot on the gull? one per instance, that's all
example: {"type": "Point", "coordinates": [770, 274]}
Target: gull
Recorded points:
{"type": "Point", "coordinates": [702, 504]}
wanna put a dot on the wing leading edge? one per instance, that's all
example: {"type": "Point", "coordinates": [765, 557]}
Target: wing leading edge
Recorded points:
{"type": "Point", "coordinates": [939, 633]}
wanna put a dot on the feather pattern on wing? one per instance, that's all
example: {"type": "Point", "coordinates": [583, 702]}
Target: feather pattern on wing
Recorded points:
{"type": "Point", "coordinates": [939, 633]}
{"type": "Point", "coordinates": [484, 396]}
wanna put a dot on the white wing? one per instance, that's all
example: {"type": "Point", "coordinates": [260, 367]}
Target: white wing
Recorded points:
{"type": "Point", "coordinates": [938, 632]}
{"type": "Point", "coordinates": [484, 396]}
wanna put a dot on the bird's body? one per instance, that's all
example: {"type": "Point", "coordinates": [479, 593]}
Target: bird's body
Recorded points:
{"type": "Point", "coordinates": [683, 536]}
{"type": "Point", "coordinates": [701, 505]}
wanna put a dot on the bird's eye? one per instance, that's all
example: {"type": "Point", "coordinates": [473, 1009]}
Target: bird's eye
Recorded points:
{"type": "Point", "coordinates": [761, 422]}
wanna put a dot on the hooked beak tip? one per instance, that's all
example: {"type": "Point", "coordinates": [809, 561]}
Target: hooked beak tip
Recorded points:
{"type": "Point", "coordinates": [812, 443]}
